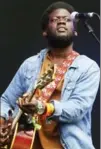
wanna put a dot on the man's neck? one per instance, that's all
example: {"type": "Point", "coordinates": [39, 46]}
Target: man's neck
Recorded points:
{"type": "Point", "coordinates": [61, 53]}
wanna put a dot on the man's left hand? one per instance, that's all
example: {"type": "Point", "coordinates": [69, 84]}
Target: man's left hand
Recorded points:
{"type": "Point", "coordinates": [35, 106]}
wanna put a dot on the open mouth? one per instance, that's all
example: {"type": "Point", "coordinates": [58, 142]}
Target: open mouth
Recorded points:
{"type": "Point", "coordinates": [61, 29]}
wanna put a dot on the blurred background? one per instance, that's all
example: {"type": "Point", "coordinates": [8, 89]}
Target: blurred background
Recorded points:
{"type": "Point", "coordinates": [21, 37]}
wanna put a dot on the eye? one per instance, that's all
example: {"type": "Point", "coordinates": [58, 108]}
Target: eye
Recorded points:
{"type": "Point", "coordinates": [67, 20]}
{"type": "Point", "coordinates": [54, 20]}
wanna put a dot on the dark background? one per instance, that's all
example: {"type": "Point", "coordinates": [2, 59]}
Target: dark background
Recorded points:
{"type": "Point", "coordinates": [20, 37]}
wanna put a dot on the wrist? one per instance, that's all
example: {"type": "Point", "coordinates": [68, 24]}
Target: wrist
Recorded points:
{"type": "Point", "coordinates": [49, 110]}
{"type": "Point", "coordinates": [2, 120]}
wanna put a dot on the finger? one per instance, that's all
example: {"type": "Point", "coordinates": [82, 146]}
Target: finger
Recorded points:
{"type": "Point", "coordinates": [26, 96]}
{"type": "Point", "coordinates": [9, 125]}
{"type": "Point", "coordinates": [26, 100]}
{"type": "Point", "coordinates": [6, 126]}
{"type": "Point", "coordinates": [4, 141]}
{"type": "Point", "coordinates": [25, 110]}
{"type": "Point", "coordinates": [20, 101]}
{"type": "Point", "coordinates": [4, 133]}
{"type": "Point", "coordinates": [23, 100]}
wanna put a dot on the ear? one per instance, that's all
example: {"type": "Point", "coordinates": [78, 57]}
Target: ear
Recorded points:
{"type": "Point", "coordinates": [44, 33]}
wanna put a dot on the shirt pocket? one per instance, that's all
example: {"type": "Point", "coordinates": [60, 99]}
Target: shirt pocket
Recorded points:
{"type": "Point", "coordinates": [68, 90]}
{"type": "Point", "coordinates": [30, 79]}
{"type": "Point", "coordinates": [70, 86]}
{"type": "Point", "coordinates": [30, 74]}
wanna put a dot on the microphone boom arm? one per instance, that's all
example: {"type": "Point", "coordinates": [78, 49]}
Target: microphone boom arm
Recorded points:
{"type": "Point", "coordinates": [90, 30]}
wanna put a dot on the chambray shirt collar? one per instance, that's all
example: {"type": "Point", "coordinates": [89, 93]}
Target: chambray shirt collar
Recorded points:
{"type": "Point", "coordinates": [43, 53]}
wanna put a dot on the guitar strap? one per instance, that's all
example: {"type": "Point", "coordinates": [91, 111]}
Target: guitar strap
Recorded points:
{"type": "Point", "coordinates": [48, 90]}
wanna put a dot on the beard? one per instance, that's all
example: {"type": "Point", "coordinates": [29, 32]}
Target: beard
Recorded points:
{"type": "Point", "coordinates": [59, 41]}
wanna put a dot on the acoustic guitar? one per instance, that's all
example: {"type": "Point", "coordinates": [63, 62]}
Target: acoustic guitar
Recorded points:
{"type": "Point", "coordinates": [24, 139]}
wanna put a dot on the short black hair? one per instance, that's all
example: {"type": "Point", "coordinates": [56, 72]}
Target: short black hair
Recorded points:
{"type": "Point", "coordinates": [51, 8]}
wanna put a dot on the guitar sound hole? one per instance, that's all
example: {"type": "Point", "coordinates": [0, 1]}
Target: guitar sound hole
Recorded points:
{"type": "Point", "coordinates": [24, 123]}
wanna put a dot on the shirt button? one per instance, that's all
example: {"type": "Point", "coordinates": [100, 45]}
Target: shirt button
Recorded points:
{"type": "Point", "coordinates": [68, 87]}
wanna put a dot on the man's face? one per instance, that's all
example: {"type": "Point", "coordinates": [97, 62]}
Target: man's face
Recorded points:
{"type": "Point", "coordinates": [60, 28]}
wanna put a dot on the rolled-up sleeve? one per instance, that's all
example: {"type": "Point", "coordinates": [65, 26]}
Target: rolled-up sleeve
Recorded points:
{"type": "Point", "coordinates": [13, 91]}
{"type": "Point", "coordinates": [82, 98]}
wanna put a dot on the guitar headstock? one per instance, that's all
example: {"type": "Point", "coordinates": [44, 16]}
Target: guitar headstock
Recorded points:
{"type": "Point", "coordinates": [45, 78]}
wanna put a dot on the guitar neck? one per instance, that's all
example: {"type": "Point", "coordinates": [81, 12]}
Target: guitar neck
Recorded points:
{"type": "Point", "coordinates": [44, 79]}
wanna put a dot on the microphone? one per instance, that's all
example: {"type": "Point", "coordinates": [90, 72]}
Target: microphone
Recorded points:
{"type": "Point", "coordinates": [76, 15]}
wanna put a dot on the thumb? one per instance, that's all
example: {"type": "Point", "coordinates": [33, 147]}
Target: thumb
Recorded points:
{"type": "Point", "coordinates": [26, 94]}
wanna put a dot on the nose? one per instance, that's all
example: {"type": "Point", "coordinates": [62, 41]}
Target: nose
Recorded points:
{"type": "Point", "coordinates": [61, 21]}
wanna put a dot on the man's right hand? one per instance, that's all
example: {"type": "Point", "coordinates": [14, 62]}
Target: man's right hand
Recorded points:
{"type": "Point", "coordinates": [5, 131]}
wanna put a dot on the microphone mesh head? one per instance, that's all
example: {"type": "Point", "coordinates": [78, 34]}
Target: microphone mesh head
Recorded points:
{"type": "Point", "coordinates": [73, 15]}
{"type": "Point", "coordinates": [90, 14]}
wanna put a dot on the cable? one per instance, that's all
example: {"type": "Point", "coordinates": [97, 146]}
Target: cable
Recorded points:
{"type": "Point", "coordinates": [97, 15]}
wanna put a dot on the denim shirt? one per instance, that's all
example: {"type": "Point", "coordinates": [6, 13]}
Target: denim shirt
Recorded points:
{"type": "Point", "coordinates": [73, 110]}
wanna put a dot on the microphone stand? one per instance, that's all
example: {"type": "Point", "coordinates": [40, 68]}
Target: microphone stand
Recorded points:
{"type": "Point", "coordinates": [90, 30]}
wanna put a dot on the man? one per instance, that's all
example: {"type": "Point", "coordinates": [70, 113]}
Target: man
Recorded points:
{"type": "Point", "coordinates": [64, 102]}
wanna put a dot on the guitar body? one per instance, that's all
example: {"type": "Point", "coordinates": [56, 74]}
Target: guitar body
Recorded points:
{"type": "Point", "coordinates": [22, 139]}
